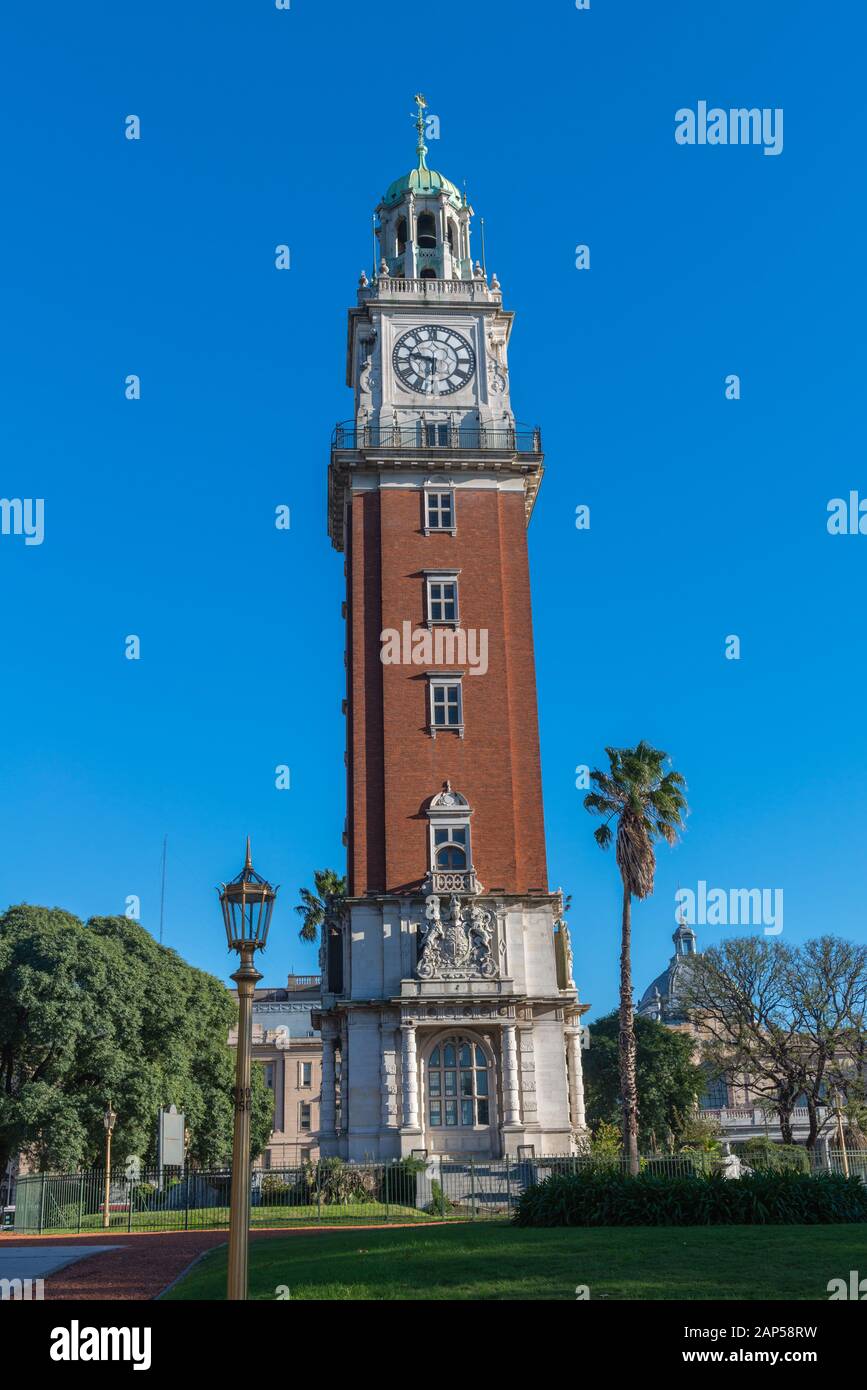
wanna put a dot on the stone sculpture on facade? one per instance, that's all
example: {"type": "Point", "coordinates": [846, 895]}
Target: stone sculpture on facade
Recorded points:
{"type": "Point", "coordinates": [457, 942]}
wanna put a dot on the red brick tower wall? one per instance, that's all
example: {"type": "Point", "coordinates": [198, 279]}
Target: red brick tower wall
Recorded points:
{"type": "Point", "coordinates": [394, 765]}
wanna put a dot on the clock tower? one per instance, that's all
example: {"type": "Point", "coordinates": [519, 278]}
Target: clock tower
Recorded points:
{"type": "Point", "coordinates": [450, 1020]}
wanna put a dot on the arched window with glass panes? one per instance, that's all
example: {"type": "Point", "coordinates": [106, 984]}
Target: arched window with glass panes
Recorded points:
{"type": "Point", "coordinates": [451, 846]}
{"type": "Point", "coordinates": [449, 830]}
{"type": "Point", "coordinates": [458, 1085]}
{"type": "Point", "coordinates": [716, 1092]}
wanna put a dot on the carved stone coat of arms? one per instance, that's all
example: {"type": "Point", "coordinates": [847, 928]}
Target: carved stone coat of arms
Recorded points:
{"type": "Point", "coordinates": [457, 943]}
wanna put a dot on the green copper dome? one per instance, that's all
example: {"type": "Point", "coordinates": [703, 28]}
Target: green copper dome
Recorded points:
{"type": "Point", "coordinates": [422, 181]}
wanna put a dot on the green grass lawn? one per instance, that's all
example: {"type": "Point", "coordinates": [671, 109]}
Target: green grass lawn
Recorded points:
{"type": "Point", "coordinates": [212, 1218]}
{"type": "Point", "coordinates": [500, 1261]}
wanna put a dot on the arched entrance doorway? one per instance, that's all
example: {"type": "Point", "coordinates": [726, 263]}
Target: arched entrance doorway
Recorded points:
{"type": "Point", "coordinates": [459, 1096]}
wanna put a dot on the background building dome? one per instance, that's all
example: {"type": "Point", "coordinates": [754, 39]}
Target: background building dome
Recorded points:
{"type": "Point", "coordinates": [662, 999]}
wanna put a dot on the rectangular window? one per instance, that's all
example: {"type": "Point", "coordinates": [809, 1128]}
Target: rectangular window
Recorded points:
{"type": "Point", "coordinates": [439, 511]}
{"type": "Point", "coordinates": [445, 704]}
{"type": "Point", "coordinates": [304, 1115]}
{"type": "Point", "coordinates": [442, 600]}
{"type": "Point", "coordinates": [436, 1113]}
{"type": "Point", "coordinates": [269, 1075]}
{"type": "Point", "coordinates": [305, 1073]}
{"type": "Point", "coordinates": [436, 435]}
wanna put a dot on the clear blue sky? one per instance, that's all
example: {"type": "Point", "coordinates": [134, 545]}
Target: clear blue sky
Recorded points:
{"type": "Point", "coordinates": [707, 516]}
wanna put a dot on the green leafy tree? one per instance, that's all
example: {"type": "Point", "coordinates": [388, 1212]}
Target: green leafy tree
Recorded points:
{"type": "Point", "coordinates": [606, 1139]}
{"type": "Point", "coordinates": [668, 1079]}
{"type": "Point", "coordinates": [647, 803]}
{"type": "Point", "coordinates": [700, 1133]}
{"type": "Point", "coordinates": [329, 886]}
{"type": "Point", "coordinates": [102, 1012]}
{"type": "Point", "coordinates": [791, 1018]}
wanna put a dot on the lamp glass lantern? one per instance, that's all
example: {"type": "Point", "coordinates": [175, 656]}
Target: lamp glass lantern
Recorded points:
{"type": "Point", "coordinates": [109, 1119]}
{"type": "Point", "coordinates": [247, 902]}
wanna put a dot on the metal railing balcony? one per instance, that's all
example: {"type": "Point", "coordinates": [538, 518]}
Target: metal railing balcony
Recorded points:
{"type": "Point", "coordinates": [520, 439]}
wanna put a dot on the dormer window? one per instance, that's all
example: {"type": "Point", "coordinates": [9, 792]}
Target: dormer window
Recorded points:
{"type": "Point", "coordinates": [449, 815]}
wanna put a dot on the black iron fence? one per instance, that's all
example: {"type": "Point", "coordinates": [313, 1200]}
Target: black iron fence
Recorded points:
{"type": "Point", "coordinates": [521, 439]}
{"type": "Point", "coordinates": [325, 1192]}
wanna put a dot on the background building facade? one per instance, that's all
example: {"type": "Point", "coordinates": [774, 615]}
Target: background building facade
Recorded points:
{"type": "Point", "coordinates": [289, 1049]}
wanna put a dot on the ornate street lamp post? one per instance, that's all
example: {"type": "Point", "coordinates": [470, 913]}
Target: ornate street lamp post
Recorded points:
{"type": "Point", "coordinates": [109, 1119]}
{"type": "Point", "coordinates": [247, 904]}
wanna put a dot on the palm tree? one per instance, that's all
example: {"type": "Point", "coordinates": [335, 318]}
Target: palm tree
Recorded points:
{"type": "Point", "coordinates": [313, 906]}
{"type": "Point", "coordinates": [648, 804]}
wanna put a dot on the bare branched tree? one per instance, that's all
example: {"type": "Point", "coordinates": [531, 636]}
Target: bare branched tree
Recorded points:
{"type": "Point", "coordinates": [789, 1020]}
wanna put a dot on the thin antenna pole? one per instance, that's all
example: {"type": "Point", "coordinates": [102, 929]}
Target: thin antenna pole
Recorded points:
{"type": "Point", "coordinates": [163, 889]}
{"type": "Point", "coordinates": [484, 262]}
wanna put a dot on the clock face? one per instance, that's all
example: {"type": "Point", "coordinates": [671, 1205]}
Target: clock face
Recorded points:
{"type": "Point", "coordinates": [433, 360]}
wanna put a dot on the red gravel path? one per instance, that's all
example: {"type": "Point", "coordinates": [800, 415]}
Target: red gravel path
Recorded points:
{"type": "Point", "coordinates": [143, 1265]}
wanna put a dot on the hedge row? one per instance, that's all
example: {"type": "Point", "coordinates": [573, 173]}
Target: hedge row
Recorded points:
{"type": "Point", "coordinates": [756, 1199]}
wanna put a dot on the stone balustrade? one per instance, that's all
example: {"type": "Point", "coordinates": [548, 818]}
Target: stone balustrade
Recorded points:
{"type": "Point", "coordinates": [396, 286]}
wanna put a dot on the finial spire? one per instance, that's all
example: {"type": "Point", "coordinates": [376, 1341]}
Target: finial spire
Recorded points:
{"type": "Point", "coordinates": [249, 861]}
{"type": "Point", "coordinates": [421, 147]}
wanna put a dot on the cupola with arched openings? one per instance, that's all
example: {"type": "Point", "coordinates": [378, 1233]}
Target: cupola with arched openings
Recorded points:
{"type": "Point", "coordinates": [423, 226]}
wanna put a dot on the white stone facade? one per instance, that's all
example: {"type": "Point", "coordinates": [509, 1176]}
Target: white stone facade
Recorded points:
{"type": "Point", "coordinates": [380, 1097]}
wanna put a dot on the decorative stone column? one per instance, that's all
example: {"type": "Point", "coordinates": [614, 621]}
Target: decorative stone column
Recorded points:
{"type": "Point", "coordinates": [410, 268]}
{"type": "Point", "coordinates": [388, 1075]}
{"type": "Point", "coordinates": [576, 1077]}
{"type": "Point", "coordinates": [511, 1091]}
{"type": "Point", "coordinates": [328, 1097]}
{"type": "Point", "coordinates": [409, 1059]}
{"type": "Point", "coordinates": [442, 228]}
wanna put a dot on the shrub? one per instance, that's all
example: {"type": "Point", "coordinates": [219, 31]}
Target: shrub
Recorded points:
{"type": "Point", "coordinates": [700, 1132]}
{"type": "Point", "coordinates": [768, 1198]}
{"type": "Point", "coordinates": [439, 1204]}
{"type": "Point", "coordinates": [690, 1162]}
{"type": "Point", "coordinates": [763, 1155]}
{"type": "Point", "coordinates": [398, 1183]}
{"type": "Point", "coordinates": [332, 1181]}
{"type": "Point", "coordinates": [274, 1189]}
